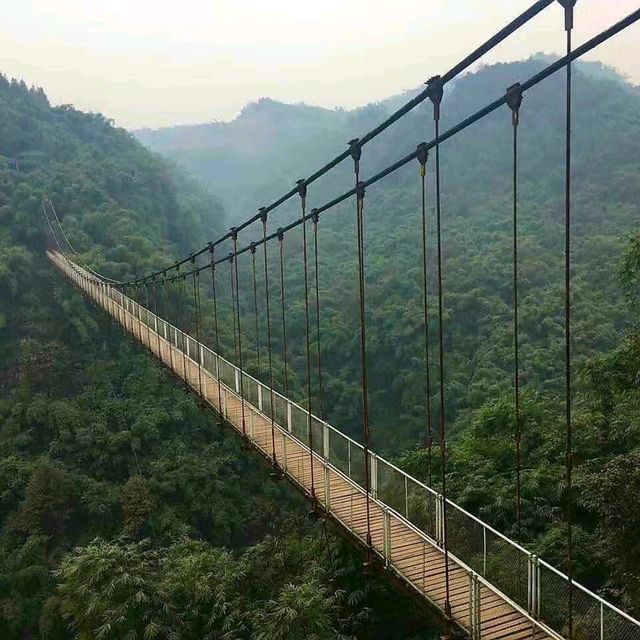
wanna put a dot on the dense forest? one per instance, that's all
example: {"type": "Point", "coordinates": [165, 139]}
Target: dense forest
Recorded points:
{"type": "Point", "coordinates": [126, 510]}
{"type": "Point", "coordinates": [477, 316]}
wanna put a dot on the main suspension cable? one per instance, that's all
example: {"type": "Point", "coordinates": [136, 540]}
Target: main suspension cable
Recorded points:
{"type": "Point", "coordinates": [527, 15]}
{"type": "Point", "coordinates": [472, 119]}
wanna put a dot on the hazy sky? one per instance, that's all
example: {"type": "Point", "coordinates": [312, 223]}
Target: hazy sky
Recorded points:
{"type": "Point", "coordinates": [161, 62]}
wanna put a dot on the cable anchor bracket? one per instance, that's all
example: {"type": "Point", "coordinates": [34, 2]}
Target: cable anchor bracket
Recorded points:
{"type": "Point", "coordinates": [514, 100]}
{"type": "Point", "coordinates": [568, 13]}
{"type": "Point", "coordinates": [422, 155]}
{"type": "Point", "coordinates": [435, 91]}
{"type": "Point", "coordinates": [355, 151]}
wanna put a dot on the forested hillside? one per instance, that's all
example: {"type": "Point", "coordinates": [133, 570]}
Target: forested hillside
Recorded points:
{"type": "Point", "coordinates": [478, 328]}
{"type": "Point", "coordinates": [125, 511]}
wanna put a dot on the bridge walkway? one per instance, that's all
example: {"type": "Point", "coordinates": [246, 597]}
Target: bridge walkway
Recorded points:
{"type": "Point", "coordinates": [476, 606]}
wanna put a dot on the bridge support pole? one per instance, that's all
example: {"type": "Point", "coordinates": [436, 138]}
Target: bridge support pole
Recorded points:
{"type": "Point", "coordinates": [327, 489]}
{"type": "Point", "coordinates": [284, 463]}
{"type": "Point", "coordinates": [374, 475]}
{"type": "Point", "coordinates": [474, 606]}
{"type": "Point", "coordinates": [535, 609]}
{"type": "Point", "coordinates": [439, 519]}
{"type": "Point", "coordinates": [386, 532]}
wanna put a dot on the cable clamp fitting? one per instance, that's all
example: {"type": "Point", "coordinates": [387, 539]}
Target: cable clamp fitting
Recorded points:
{"type": "Point", "coordinates": [210, 247]}
{"type": "Point", "coordinates": [230, 258]}
{"type": "Point", "coordinates": [422, 155]}
{"type": "Point", "coordinates": [314, 216]}
{"type": "Point", "coordinates": [252, 248]}
{"type": "Point", "coordinates": [263, 214]}
{"type": "Point", "coordinates": [280, 234]}
{"type": "Point", "coordinates": [355, 150]}
{"type": "Point", "coordinates": [302, 188]}
{"type": "Point", "coordinates": [435, 91]}
{"type": "Point", "coordinates": [360, 189]}
{"type": "Point", "coordinates": [568, 13]}
{"type": "Point", "coordinates": [514, 100]}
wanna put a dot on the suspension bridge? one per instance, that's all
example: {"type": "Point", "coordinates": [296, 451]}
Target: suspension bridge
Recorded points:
{"type": "Point", "coordinates": [485, 584]}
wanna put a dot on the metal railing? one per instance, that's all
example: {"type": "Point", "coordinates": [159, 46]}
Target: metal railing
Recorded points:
{"type": "Point", "coordinates": [528, 583]}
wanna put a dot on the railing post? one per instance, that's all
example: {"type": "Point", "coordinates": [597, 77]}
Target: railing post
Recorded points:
{"type": "Point", "coordinates": [289, 417]}
{"type": "Point", "coordinates": [536, 578]}
{"type": "Point", "coordinates": [237, 379]}
{"type": "Point", "coordinates": [327, 496]}
{"type": "Point", "coordinates": [484, 551]}
{"type": "Point", "coordinates": [201, 354]}
{"type": "Point", "coordinates": [349, 458]}
{"type": "Point", "coordinates": [439, 523]}
{"type": "Point", "coordinates": [406, 498]}
{"type": "Point", "coordinates": [533, 591]}
{"type": "Point", "coordinates": [386, 536]}
{"type": "Point", "coordinates": [601, 620]}
{"type": "Point", "coordinates": [530, 585]}
{"type": "Point", "coordinates": [284, 462]}
{"type": "Point", "coordinates": [325, 441]}
{"type": "Point", "coordinates": [224, 403]}
{"type": "Point", "coordinates": [474, 606]}
{"type": "Point", "coordinates": [374, 474]}
{"type": "Point", "coordinates": [472, 609]}
{"type": "Point", "coordinates": [259, 396]}
{"type": "Point", "coordinates": [251, 417]}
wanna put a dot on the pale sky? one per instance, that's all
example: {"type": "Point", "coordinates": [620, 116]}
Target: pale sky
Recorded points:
{"type": "Point", "coordinates": [155, 62]}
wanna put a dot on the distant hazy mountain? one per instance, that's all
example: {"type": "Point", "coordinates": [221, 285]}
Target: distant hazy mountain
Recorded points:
{"type": "Point", "coordinates": [256, 156]}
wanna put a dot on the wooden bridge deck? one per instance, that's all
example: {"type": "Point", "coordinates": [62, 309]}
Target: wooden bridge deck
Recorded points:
{"type": "Point", "coordinates": [476, 607]}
